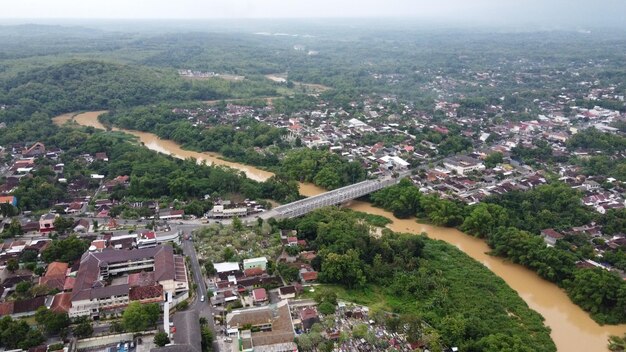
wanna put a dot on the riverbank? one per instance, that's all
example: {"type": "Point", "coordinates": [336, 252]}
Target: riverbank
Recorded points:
{"type": "Point", "coordinates": [572, 328]}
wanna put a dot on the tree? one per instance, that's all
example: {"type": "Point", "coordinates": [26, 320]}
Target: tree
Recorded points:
{"type": "Point", "coordinates": [228, 254]}
{"type": "Point", "coordinates": [210, 268]}
{"type": "Point", "coordinates": [13, 265]}
{"type": "Point", "coordinates": [65, 250]}
{"type": "Point", "coordinates": [484, 219]}
{"type": "Point", "coordinates": [83, 328]}
{"type": "Point", "coordinates": [51, 322]}
{"type": "Point", "coordinates": [346, 269]}
{"type": "Point", "coordinates": [327, 308]}
{"type": "Point", "coordinates": [14, 229]}
{"type": "Point", "coordinates": [493, 159]}
{"type": "Point", "coordinates": [23, 287]}
{"type": "Point", "coordinates": [359, 331]}
{"type": "Point", "coordinates": [139, 317]}
{"type": "Point", "coordinates": [237, 224]}
{"type": "Point", "coordinates": [161, 339]}
{"type": "Point", "coordinates": [207, 339]}
{"type": "Point", "coordinates": [62, 224]}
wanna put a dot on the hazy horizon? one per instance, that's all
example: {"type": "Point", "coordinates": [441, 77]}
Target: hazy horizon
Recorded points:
{"type": "Point", "coordinates": [570, 13]}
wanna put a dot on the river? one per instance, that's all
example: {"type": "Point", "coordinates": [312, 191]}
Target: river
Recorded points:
{"type": "Point", "coordinates": [572, 328]}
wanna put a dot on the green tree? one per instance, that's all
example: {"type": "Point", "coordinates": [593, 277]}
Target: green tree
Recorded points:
{"type": "Point", "coordinates": [206, 339]}
{"type": "Point", "coordinates": [51, 322]}
{"type": "Point", "coordinates": [83, 328]}
{"type": "Point", "coordinates": [65, 250]}
{"type": "Point", "coordinates": [14, 229]}
{"type": "Point", "coordinates": [210, 268]}
{"type": "Point", "coordinates": [484, 218]}
{"type": "Point", "coordinates": [62, 224]}
{"type": "Point", "coordinates": [23, 287]}
{"type": "Point", "coordinates": [346, 269]}
{"type": "Point", "coordinates": [327, 308]}
{"type": "Point", "coordinates": [161, 339]}
{"type": "Point", "coordinates": [13, 265]}
{"type": "Point", "coordinates": [493, 159]}
{"type": "Point", "coordinates": [139, 317]}
{"type": "Point", "coordinates": [237, 224]}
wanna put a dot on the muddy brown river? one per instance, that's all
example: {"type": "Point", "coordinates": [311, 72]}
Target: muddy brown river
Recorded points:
{"type": "Point", "coordinates": [572, 328]}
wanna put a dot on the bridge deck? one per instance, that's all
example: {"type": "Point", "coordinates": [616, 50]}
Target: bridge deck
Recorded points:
{"type": "Point", "coordinates": [334, 197]}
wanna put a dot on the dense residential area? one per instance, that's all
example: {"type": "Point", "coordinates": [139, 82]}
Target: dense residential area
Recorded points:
{"type": "Point", "coordinates": [139, 173]}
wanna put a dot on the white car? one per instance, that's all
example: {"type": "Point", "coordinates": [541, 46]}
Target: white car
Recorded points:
{"type": "Point", "coordinates": [202, 298]}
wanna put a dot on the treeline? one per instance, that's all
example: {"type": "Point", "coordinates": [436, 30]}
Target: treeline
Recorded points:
{"type": "Point", "coordinates": [595, 140]}
{"type": "Point", "coordinates": [321, 167]}
{"type": "Point", "coordinates": [451, 299]}
{"type": "Point", "coordinates": [237, 141]}
{"type": "Point", "coordinates": [92, 85]}
{"type": "Point", "coordinates": [153, 175]}
{"type": "Point", "coordinates": [511, 223]}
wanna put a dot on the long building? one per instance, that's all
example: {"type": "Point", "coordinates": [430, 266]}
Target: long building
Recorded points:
{"type": "Point", "coordinates": [108, 281]}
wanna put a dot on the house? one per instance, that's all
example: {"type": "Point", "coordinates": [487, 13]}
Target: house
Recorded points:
{"type": "Point", "coordinates": [226, 268]}
{"type": "Point", "coordinates": [46, 222]}
{"type": "Point", "coordinates": [260, 262]}
{"type": "Point", "coordinates": [259, 295]}
{"type": "Point", "coordinates": [172, 214]}
{"type": "Point", "coordinates": [287, 292]}
{"type": "Point", "coordinates": [550, 236]}
{"type": "Point", "coordinates": [102, 157]}
{"type": "Point", "coordinates": [291, 241]}
{"type": "Point", "coordinates": [252, 272]}
{"type": "Point", "coordinates": [36, 149]}
{"type": "Point", "coordinates": [9, 200]}
{"type": "Point", "coordinates": [24, 308]}
{"type": "Point", "coordinates": [307, 276]}
{"type": "Point", "coordinates": [55, 275]}
{"type": "Point", "coordinates": [82, 225]}
{"type": "Point", "coordinates": [308, 317]}
{"type": "Point", "coordinates": [266, 328]}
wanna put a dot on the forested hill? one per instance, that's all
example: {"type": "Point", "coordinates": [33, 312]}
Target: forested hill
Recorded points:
{"type": "Point", "coordinates": [89, 85]}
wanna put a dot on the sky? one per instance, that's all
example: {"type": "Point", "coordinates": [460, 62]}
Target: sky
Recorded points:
{"type": "Point", "coordinates": [481, 11]}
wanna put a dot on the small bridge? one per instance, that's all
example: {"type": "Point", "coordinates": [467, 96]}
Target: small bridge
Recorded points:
{"type": "Point", "coordinates": [334, 197]}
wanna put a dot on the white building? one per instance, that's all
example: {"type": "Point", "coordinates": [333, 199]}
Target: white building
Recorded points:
{"type": "Point", "coordinates": [463, 164]}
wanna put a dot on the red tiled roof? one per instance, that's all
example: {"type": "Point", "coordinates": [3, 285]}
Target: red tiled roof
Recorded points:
{"type": "Point", "coordinates": [144, 278]}
{"type": "Point", "coordinates": [309, 276]}
{"type": "Point", "coordinates": [6, 308]}
{"type": "Point", "coordinates": [551, 233]}
{"type": "Point", "coordinates": [145, 292]}
{"type": "Point", "coordinates": [253, 272]}
{"type": "Point", "coordinates": [62, 302]}
{"type": "Point", "coordinates": [259, 294]}
{"type": "Point", "coordinates": [53, 282]}
{"type": "Point", "coordinates": [56, 269]}
{"type": "Point", "coordinates": [69, 283]}
{"type": "Point", "coordinates": [308, 313]}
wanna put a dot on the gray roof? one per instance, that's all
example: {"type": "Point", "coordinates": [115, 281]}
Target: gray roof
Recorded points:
{"type": "Point", "coordinates": [90, 263]}
{"type": "Point", "coordinates": [109, 291]}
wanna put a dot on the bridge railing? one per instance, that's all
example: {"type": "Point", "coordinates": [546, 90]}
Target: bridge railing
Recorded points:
{"type": "Point", "coordinates": [333, 197]}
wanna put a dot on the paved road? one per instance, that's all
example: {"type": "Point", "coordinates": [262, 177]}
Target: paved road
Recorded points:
{"type": "Point", "coordinates": [204, 309]}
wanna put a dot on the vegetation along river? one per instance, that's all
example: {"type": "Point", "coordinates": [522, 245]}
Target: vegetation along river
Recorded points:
{"type": "Point", "coordinates": [572, 328]}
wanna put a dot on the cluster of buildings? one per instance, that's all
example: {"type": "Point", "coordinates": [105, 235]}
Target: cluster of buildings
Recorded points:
{"type": "Point", "coordinates": [226, 209]}
{"type": "Point", "coordinates": [115, 271]}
